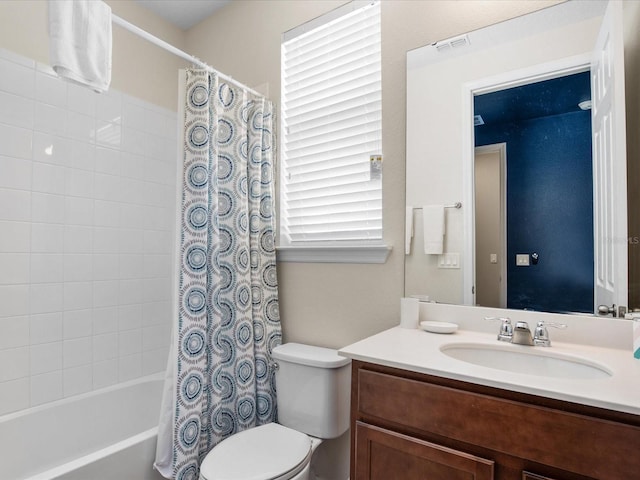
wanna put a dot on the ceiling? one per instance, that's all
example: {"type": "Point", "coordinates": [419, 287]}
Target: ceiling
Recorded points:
{"type": "Point", "coordinates": [541, 99]}
{"type": "Point", "coordinates": [183, 14]}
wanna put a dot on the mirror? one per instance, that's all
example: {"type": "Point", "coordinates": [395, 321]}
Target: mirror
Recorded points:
{"type": "Point", "coordinates": [446, 83]}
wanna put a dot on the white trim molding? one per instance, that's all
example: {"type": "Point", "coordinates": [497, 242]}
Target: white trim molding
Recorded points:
{"type": "Point", "coordinates": [334, 254]}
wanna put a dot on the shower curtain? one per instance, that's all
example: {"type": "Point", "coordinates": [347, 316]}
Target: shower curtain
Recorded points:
{"type": "Point", "coordinates": [219, 379]}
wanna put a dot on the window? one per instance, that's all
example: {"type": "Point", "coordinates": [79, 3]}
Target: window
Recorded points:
{"type": "Point", "coordinates": [331, 175]}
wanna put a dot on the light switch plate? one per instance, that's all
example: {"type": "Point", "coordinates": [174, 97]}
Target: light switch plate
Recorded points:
{"type": "Point", "coordinates": [522, 259]}
{"type": "Point", "coordinates": [449, 260]}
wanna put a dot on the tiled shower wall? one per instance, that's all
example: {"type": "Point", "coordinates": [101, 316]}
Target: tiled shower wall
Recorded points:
{"type": "Point", "coordinates": [87, 200]}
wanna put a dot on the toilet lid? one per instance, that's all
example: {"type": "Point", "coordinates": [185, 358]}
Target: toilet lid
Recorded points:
{"type": "Point", "coordinates": [262, 453]}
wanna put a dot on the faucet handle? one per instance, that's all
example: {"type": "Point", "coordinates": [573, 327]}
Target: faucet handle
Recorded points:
{"type": "Point", "coordinates": [541, 335]}
{"type": "Point", "coordinates": [506, 330]}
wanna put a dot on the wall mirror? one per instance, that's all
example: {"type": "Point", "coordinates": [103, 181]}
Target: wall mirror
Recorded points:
{"type": "Point", "coordinates": [541, 176]}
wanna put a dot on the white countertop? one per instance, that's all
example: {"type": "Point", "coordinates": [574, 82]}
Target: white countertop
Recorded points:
{"type": "Point", "coordinates": [419, 351]}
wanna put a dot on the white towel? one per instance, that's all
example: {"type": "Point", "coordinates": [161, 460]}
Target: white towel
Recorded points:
{"type": "Point", "coordinates": [433, 224]}
{"type": "Point", "coordinates": [408, 230]}
{"type": "Point", "coordinates": [80, 42]}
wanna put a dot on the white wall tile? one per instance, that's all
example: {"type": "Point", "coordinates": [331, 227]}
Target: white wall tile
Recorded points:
{"type": "Point", "coordinates": [82, 100]}
{"type": "Point", "coordinates": [130, 317]}
{"type": "Point", "coordinates": [16, 111]}
{"type": "Point", "coordinates": [105, 320]}
{"type": "Point", "coordinates": [106, 214]}
{"type": "Point", "coordinates": [81, 127]}
{"type": "Point", "coordinates": [105, 347]}
{"type": "Point", "coordinates": [14, 395]}
{"type": "Point", "coordinates": [46, 268]}
{"type": "Point", "coordinates": [15, 205]}
{"type": "Point", "coordinates": [83, 181]}
{"type": "Point", "coordinates": [105, 373]}
{"type": "Point", "coordinates": [14, 300]}
{"type": "Point", "coordinates": [50, 90]}
{"type": "Point", "coordinates": [106, 267]}
{"type": "Point", "coordinates": [78, 295]}
{"type": "Point", "coordinates": [105, 293]}
{"type": "Point", "coordinates": [45, 328]}
{"type": "Point", "coordinates": [78, 211]}
{"type": "Point", "coordinates": [45, 357]}
{"type": "Point", "coordinates": [47, 238]}
{"type": "Point", "coordinates": [46, 388]}
{"type": "Point", "coordinates": [51, 149]}
{"type": "Point", "coordinates": [78, 267]}
{"type": "Point", "coordinates": [47, 208]}
{"type": "Point", "coordinates": [108, 161]}
{"type": "Point", "coordinates": [50, 119]}
{"type": "Point", "coordinates": [14, 363]}
{"type": "Point", "coordinates": [78, 239]}
{"type": "Point", "coordinates": [77, 380]}
{"type": "Point", "coordinates": [46, 297]}
{"type": "Point", "coordinates": [82, 155]}
{"type": "Point", "coordinates": [16, 236]}
{"type": "Point", "coordinates": [76, 352]}
{"type": "Point", "coordinates": [14, 268]}
{"type": "Point", "coordinates": [79, 183]}
{"type": "Point", "coordinates": [105, 240]}
{"type": "Point", "coordinates": [131, 266]}
{"type": "Point", "coordinates": [109, 107]}
{"type": "Point", "coordinates": [130, 342]}
{"type": "Point", "coordinates": [129, 367]}
{"type": "Point", "coordinates": [17, 79]}
{"type": "Point", "coordinates": [131, 291]}
{"type": "Point", "coordinates": [77, 324]}
{"type": "Point", "coordinates": [156, 313]}
{"type": "Point", "coordinates": [48, 178]}
{"type": "Point", "coordinates": [14, 332]}
{"type": "Point", "coordinates": [154, 361]}
{"type": "Point", "coordinates": [108, 134]}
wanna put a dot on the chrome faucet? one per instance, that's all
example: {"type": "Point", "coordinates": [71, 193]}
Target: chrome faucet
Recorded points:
{"type": "Point", "coordinates": [520, 334]}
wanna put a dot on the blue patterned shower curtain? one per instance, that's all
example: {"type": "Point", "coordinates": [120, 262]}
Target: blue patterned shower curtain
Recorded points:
{"type": "Point", "coordinates": [220, 377]}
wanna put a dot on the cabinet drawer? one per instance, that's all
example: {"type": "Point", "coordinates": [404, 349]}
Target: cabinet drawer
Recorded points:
{"type": "Point", "coordinates": [583, 445]}
{"type": "Point", "coordinates": [385, 455]}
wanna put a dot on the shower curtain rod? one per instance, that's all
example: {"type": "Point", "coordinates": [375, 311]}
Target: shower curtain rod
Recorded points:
{"type": "Point", "coordinates": [176, 51]}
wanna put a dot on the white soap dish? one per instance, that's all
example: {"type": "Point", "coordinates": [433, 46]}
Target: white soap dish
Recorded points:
{"type": "Point", "coordinates": [438, 327]}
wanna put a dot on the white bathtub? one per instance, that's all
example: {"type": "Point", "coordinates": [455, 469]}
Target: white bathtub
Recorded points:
{"type": "Point", "coordinates": [105, 434]}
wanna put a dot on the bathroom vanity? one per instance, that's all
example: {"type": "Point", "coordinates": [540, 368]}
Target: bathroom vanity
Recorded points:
{"type": "Point", "coordinates": [417, 412]}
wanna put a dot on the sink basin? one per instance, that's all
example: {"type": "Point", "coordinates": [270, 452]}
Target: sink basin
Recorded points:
{"type": "Point", "coordinates": [526, 360]}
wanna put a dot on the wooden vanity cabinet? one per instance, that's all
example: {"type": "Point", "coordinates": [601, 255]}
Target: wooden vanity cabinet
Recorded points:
{"type": "Point", "coordinates": [410, 426]}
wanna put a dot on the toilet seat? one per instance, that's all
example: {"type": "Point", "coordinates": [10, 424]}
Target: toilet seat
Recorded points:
{"type": "Point", "coordinates": [268, 452]}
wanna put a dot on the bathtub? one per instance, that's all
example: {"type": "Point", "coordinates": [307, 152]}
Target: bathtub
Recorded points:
{"type": "Point", "coordinates": [105, 434]}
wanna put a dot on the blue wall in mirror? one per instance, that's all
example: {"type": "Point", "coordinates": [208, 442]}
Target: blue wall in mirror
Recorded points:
{"type": "Point", "coordinates": [549, 190]}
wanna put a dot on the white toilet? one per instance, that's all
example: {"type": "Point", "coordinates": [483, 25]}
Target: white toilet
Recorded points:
{"type": "Point", "coordinates": [313, 385]}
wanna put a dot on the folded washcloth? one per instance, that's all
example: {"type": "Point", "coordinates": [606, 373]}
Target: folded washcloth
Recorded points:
{"type": "Point", "coordinates": [80, 42]}
{"type": "Point", "coordinates": [433, 224]}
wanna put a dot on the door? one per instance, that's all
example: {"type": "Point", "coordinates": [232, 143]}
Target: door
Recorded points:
{"type": "Point", "coordinates": [609, 162]}
{"type": "Point", "coordinates": [490, 225]}
{"type": "Point", "coordinates": [385, 455]}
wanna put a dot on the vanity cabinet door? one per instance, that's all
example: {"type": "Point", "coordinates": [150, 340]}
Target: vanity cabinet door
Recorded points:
{"type": "Point", "coordinates": [381, 454]}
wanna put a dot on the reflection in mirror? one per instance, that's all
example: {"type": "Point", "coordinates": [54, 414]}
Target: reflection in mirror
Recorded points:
{"type": "Point", "coordinates": [495, 63]}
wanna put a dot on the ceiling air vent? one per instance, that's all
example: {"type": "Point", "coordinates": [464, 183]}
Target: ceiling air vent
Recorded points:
{"type": "Point", "coordinates": [450, 43]}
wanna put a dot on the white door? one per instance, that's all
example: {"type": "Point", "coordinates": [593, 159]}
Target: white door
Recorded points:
{"type": "Point", "coordinates": [609, 162]}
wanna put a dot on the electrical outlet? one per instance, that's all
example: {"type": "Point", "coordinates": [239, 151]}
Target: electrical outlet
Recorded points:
{"type": "Point", "coordinates": [522, 259]}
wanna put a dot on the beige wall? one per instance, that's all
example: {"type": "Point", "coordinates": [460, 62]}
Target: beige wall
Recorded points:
{"type": "Point", "coordinates": [328, 304]}
{"type": "Point", "coordinates": [139, 68]}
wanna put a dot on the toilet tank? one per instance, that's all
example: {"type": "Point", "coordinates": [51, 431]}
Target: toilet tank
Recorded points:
{"type": "Point", "coordinates": [313, 387]}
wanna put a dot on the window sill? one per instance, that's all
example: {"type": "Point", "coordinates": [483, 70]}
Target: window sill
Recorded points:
{"type": "Point", "coordinates": [337, 254]}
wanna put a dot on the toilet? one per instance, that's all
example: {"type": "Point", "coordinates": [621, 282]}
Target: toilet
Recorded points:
{"type": "Point", "coordinates": [313, 389]}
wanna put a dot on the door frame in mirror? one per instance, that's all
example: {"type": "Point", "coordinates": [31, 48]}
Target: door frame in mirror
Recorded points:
{"type": "Point", "coordinates": [515, 78]}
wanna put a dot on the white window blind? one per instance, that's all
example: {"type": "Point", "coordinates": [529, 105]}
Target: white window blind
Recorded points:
{"type": "Point", "coordinates": [332, 126]}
